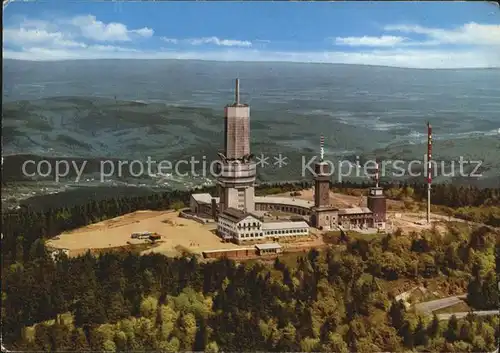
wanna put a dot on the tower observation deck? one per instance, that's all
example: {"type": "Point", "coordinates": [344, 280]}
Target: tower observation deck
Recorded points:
{"type": "Point", "coordinates": [238, 169]}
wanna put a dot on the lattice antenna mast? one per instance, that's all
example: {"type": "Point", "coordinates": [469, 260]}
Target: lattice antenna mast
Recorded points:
{"type": "Point", "coordinates": [321, 148]}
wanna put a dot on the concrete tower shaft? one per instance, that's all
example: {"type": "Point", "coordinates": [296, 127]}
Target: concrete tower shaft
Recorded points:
{"type": "Point", "coordinates": [322, 185]}
{"type": "Point", "coordinates": [237, 128]}
{"type": "Point", "coordinates": [237, 174]}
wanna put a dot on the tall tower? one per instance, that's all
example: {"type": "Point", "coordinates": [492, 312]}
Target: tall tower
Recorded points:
{"type": "Point", "coordinates": [376, 202]}
{"type": "Point", "coordinates": [238, 170]}
{"type": "Point", "coordinates": [321, 180]}
{"type": "Point", "coordinates": [324, 216]}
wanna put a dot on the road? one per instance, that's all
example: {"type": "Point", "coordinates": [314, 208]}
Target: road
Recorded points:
{"type": "Point", "coordinates": [433, 305]}
{"type": "Point", "coordinates": [463, 314]}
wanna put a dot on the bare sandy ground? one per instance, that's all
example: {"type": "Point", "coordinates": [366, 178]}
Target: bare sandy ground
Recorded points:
{"type": "Point", "coordinates": [176, 234]}
{"type": "Point", "coordinates": [407, 221]}
{"type": "Point", "coordinates": [341, 200]}
{"type": "Point", "coordinates": [179, 234]}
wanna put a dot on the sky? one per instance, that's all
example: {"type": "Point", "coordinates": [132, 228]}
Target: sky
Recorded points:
{"type": "Point", "coordinates": [401, 34]}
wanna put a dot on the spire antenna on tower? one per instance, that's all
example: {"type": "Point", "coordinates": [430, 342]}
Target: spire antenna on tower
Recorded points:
{"type": "Point", "coordinates": [322, 149]}
{"type": "Point", "coordinates": [237, 91]}
{"type": "Point", "coordinates": [429, 170]}
{"type": "Point", "coordinates": [377, 175]}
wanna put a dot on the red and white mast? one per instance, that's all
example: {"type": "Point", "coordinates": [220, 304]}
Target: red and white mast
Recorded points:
{"type": "Point", "coordinates": [377, 175]}
{"type": "Point", "coordinates": [429, 170]}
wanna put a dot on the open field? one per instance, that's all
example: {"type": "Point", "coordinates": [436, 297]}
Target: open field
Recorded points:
{"type": "Point", "coordinates": [178, 234]}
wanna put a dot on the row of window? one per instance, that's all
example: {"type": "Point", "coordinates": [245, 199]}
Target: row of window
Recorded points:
{"type": "Point", "coordinates": [249, 225]}
{"type": "Point", "coordinates": [223, 222]}
{"type": "Point", "coordinates": [226, 232]}
{"type": "Point", "coordinates": [251, 235]}
{"type": "Point", "coordinates": [287, 231]}
{"type": "Point", "coordinates": [290, 209]}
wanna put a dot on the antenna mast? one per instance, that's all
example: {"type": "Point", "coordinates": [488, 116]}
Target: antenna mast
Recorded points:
{"type": "Point", "coordinates": [429, 170]}
{"type": "Point", "coordinates": [237, 91]}
{"type": "Point", "coordinates": [321, 148]}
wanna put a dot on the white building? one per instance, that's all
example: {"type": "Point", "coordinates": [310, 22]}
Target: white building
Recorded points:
{"type": "Point", "coordinates": [285, 229]}
{"type": "Point", "coordinates": [236, 225]}
{"type": "Point", "coordinates": [268, 249]}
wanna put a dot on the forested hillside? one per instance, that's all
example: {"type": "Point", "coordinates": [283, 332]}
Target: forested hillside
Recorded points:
{"type": "Point", "coordinates": [338, 300]}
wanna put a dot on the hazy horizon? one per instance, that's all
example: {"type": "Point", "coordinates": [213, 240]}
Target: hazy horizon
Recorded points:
{"type": "Point", "coordinates": [132, 109]}
{"type": "Point", "coordinates": [256, 62]}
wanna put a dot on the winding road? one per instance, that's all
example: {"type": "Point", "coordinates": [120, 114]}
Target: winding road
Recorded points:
{"type": "Point", "coordinates": [433, 305]}
{"type": "Point", "coordinates": [463, 314]}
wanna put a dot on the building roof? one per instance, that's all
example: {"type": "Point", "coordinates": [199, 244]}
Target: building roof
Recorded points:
{"type": "Point", "coordinates": [268, 246]}
{"type": "Point", "coordinates": [284, 225]}
{"type": "Point", "coordinates": [278, 200]}
{"type": "Point", "coordinates": [354, 210]}
{"type": "Point", "coordinates": [227, 250]}
{"type": "Point", "coordinates": [236, 215]}
{"type": "Point", "coordinates": [284, 201]}
{"type": "Point", "coordinates": [204, 198]}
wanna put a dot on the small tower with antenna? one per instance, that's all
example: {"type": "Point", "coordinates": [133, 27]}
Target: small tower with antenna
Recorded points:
{"type": "Point", "coordinates": [324, 215]}
{"type": "Point", "coordinates": [376, 201]}
{"type": "Point", "coordinates": [321, 178]}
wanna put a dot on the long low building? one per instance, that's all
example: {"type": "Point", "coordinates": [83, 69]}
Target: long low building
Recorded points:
{"type": "Point", "coordinates": [240, 227]}
{"type": "Point", "coordinates": [230, 253]}
{"type": "Point", "coordinates": [247, 252]}
{"type": "Point", "coordinates": [345, 218]}
{"type": "Point", "coordinates": [283, 204]}
{"type": "Point", "coordinates": [202, 203]}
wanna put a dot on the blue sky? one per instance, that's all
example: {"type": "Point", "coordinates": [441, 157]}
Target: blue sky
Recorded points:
{"type": "Point", "coordinates": [405, 34]}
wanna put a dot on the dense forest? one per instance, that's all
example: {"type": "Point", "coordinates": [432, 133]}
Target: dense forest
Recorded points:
{"type": "Point", "coordinates": [337, 300]}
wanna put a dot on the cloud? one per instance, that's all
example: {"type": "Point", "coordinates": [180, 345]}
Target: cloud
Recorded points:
{"type": "Point", "coordinates": [96, 30]}
{"type": "Point", "coordinates": [69, 32]}
{"type": "Point", "coordinates": [383, 41]}
{"type": "Point", "coordinates": [209, 41]}
{"type": "Point", "coordinates": [169, 40]}
{"type": "Point", "coordinates": [470, 33]}
{"type": "Point", "coordinates": [85, 37]}
{"type": "Point", "coordinates": [26, 37]}
{"type": "Point", "coordinates": [220, 42]}
{"type": "Point", "coordinates": [145, 32]}
{"type": "Point", "coordinates": [393, 57]}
